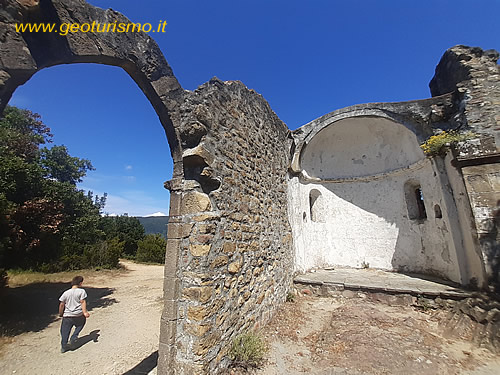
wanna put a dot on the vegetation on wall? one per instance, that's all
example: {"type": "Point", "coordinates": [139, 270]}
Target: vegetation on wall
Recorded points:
{"type": "Point", "coordinates": [434, 145]}
{"type": "Point", "coordinates": [248, 350]}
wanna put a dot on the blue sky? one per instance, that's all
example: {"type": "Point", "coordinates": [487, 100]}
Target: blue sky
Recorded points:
{"type": "Point", "coordinates": [306, 58]}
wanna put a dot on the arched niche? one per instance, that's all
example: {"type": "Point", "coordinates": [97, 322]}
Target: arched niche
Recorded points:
{"type": "Point", "coordinates": [316, 206]}
{"type": "Point", "coordinates": [360, 147]}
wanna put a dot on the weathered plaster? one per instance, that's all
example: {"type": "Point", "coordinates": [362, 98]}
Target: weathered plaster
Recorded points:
{"type": "Point", "coordinates": [360, 166]}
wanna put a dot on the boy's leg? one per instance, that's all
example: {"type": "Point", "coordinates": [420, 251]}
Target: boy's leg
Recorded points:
{"type": "Point", "coordinates": [79, 323]}
{"type": "Point", "coordinates": [66, 326]}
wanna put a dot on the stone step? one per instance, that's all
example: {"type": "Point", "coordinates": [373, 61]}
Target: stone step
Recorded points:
{"type": "Point", "coordinates": [338, 281]}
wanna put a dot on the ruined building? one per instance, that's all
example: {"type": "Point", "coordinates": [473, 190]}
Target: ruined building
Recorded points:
{"type": "Point", "coordinates": [252, 202]}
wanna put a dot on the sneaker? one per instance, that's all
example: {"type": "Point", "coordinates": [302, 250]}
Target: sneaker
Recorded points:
{"type": "Point", "coordinates": [72, 342]}
{"type": "Point", "coordinates": [64, 350]}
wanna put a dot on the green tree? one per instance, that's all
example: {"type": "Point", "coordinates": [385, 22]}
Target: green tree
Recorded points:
{"type": "Point", "coordinates": [128, 229]}
{"type": "Point", "coordinates": [152, 249]}
{"type": "Point", "coordinates": [61, 166]}
{"type": "Point", "coordinates": [43, 216]}
{"type": "Point", "coordinates": [22, 132]}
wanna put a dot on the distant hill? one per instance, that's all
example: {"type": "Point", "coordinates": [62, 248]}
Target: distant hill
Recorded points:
{"type": "Point", "coordinates": [154, 224]}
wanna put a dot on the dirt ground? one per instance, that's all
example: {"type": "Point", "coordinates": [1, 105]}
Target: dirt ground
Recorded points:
{"type": "Point", "coordinates": [354, 336]}
{"type": "Point", "coordinates": [309, 336]}
{"type": "Point", "coordinates": [120, 337]}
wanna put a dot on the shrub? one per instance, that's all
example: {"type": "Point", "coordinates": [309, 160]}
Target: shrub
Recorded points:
{"type": "Point", "coordinates": [151, 249]}
{"type": "Point", "coordinates": [248, 350]}
{"type": "Point", "coordinates": [290, 297]}
{"type": "Point", "coordinates": [105, 254]}
{"type": "Point", "coordinates": [434, 145]}
{"type": "Point", "coordinates": [69, 263]}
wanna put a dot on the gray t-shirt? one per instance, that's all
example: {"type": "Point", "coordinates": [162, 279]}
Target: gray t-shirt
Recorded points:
{"type": "Point", "coordinates": [72, 304]}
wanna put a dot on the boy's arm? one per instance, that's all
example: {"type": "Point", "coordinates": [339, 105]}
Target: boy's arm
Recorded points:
{"type": "Point", "coordinates": [61, 308]}
{"type": "Point", "coordinates": [84, 308]}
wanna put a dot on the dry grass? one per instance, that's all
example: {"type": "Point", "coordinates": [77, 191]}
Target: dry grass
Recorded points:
{"type": "Point", "coordinates": [21, 278]}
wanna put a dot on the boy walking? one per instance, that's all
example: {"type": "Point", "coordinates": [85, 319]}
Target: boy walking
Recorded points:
{"type": "Point", "coordinates": [73, 309]}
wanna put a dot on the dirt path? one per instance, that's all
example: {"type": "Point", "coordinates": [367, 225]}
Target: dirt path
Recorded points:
{"type": "Point", "coordinates": [310, 336]}
{"type": "Point", "coordinates": [354, 336]}
{"type": "Point", "coordinates": [121, 333]}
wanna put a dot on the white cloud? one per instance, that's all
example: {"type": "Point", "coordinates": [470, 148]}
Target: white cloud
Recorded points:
{"type": "Point", "coordinates": [128, 167]}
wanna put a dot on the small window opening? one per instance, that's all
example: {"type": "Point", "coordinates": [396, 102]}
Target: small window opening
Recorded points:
{"type": "Point", "coordinates": [437, 212]}
{"type": "Point", "coordinates": [420, 203]}
{"type": "Point", "coordinates": [415, 201]}
{"type": "Point", "coordinates": [316, 205]}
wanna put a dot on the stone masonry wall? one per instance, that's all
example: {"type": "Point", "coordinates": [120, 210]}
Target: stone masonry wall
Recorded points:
{"type": "Point", "coordinates": [483, 188]}
{"type": "Point", "coordinates": [474, 75]}
{"type": "Point", "coordinates": [233, 234]}
{"type": "Point", "coordinates": [228, 257]}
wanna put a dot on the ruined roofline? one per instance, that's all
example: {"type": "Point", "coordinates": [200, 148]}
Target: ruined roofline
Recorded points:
{"type": "Point", "coordinates": [421, 111]}
{"type": "Point", "coordinates": [460, 64]}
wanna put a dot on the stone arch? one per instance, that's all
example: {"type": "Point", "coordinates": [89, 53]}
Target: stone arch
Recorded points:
{"type": "Point", "coordinates": [24, 54]}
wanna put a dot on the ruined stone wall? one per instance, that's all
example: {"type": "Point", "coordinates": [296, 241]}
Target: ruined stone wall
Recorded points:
{"type": "Point", "coordinates": [228, 257]}
{"type": "Point", "coordinates": [474, 75]}
{"type": "Point", "coordinates": [483, 187]}
{"type": "Point", "coordinates": [235, 256]}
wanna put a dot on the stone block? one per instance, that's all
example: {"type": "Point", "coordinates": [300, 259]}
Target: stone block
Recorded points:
{"type": "Point", "coordinates": [175, 230]}
{"type": "Point", "coordinates": [235, 267]}
{"type": "Point", "coordinates": [201, 294]}
{"type": "Point", "coordinates": [197, 313]}
{"type": "Point", "coordinates": [186, 230]}
{"type": "Point", "coordinates": [206, 343]}
{"type": "Point", "coordinates": [204, 238]}
{"type": "Point", "coordinates": [206, 217]}
{"type": "Point", "coordinates": [166, 359]}
{"type": "Point", "coordinates": [194, 202]}
{"type": "Point", "coordinates": [171, 257]}
{"type": "Point", "coordinates": [168, 330]}
{"type": "Point", "coordinates": [175, 204]}
{"type": "Point", "coordinates": [199, 250]}
{"type": "Point", "coordinates": [219, 261]}
{"type": "Point", "coordinates": [229, 248]}
{"type": "Point", "coordinates": [171, 287]}
{"type": "Point", "coordinates": [199, 151]}
{"type": "Point", "coordinates": [206, 228]}
{"type": "Point", "coordinates": [169, 310]}
{"type": "Point", "coordinates": [197, 329]}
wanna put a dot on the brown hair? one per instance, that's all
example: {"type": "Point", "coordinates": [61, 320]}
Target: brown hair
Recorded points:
{"type": "Point", "coordinates": [77, 280]}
